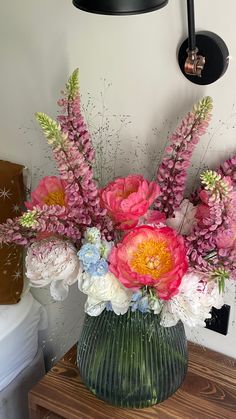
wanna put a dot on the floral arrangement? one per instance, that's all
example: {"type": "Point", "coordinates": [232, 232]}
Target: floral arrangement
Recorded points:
{"type": "Point", "coordinates": [135, 244]}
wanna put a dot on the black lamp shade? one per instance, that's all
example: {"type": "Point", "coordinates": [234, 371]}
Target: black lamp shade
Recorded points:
{"type": "Point", "coordinates": [119, 7]}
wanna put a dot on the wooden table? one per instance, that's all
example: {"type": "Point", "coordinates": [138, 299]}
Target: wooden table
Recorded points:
{"type": "Point", "coordinates": [209, 391]}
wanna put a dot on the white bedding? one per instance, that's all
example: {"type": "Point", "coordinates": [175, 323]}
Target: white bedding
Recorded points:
{"type": "Point", "coordinates": [19, 325]}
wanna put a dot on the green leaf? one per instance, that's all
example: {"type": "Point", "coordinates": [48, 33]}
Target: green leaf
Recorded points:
{"type": "Point", "coordinates": [220, 275]}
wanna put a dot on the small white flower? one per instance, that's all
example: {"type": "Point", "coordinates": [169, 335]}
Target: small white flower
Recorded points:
{"type": "Point", "coordinates": [155, 305]}
{"type": "Point", "coordinates": [103, 289]}
{"type": "Point", "coordinates": [193, 303]}
{"type": "Point", "coordinates": [92, 235]}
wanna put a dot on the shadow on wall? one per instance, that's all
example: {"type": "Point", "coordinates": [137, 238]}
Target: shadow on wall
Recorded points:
{"type": "Point", "coordinates": [65, 321]}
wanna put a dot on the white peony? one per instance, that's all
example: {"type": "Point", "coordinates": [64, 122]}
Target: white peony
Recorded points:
{"type": "Point", "coordinates": [193, 303]}
{"type": "Point", "coordinates": [103, 289]}
{"type": "Point", "coordinates": [184, 219]}
{"type": "Point", "coordinates": [53, 261]}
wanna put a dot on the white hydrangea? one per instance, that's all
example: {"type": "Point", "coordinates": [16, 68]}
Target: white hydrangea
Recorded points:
{"type": "Point", "coordinates": [53, 261]}
{"type": "Point", "coordinates": [92, 235]}
{"type": "Point", "coordinates": [193, 303]}
{"type": "Point", "coordinates": [104, 289]}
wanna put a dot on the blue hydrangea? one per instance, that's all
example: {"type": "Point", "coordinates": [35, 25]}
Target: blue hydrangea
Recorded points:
{"type": "Point", "coordinates": [143, 305]}
{"type": "Point", "coordinates": [89, 255]}
{"type": "Point", "coordinates": [99, 268]}
{"type": "Point", "coordinates": [140, 302]}
{"type": "Point", "coordinates": [109, 306]}
{"type": "Point", "coordinates": [137, 296]}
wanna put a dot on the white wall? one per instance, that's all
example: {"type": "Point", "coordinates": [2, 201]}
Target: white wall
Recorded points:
{"type": "Point", "coordinates": [42, 42]}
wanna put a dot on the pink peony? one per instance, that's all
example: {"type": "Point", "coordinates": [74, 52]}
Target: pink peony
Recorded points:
{"type": "Point", "coordinates": [128, 199]}
{"type": "Point", "coordinates": [149, 256]}
{"type": "Point", "coordinates": [50, 191]}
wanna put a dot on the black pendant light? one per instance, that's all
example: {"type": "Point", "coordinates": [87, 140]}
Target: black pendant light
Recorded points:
{"type": "Point", "coordinates": [119, 7]}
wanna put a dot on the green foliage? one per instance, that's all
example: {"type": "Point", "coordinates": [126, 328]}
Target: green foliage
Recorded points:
{"type": "Point", "coordinates": [220, 275]}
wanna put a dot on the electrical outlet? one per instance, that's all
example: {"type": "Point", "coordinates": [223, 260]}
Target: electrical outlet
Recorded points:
{"type": "Point", "coordinates": [219, 321]}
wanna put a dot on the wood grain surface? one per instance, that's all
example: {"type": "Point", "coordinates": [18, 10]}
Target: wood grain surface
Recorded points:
{"type": "Point", "coordinates": [208, 392]}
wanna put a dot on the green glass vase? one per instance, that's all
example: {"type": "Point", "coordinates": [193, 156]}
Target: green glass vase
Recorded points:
{"type": "Point", "coordinates": [131, 361]}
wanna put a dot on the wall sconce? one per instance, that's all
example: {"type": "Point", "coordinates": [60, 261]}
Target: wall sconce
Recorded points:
{"type": "Point", "coordinates": [203, 57]}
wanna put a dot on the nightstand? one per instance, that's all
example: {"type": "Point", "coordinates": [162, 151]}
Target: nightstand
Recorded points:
{"type": "Point", "coordinates": [209, 391]}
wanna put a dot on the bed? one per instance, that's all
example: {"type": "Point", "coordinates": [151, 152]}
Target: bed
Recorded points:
{"type": "Point", "coordinates": [21, 360]}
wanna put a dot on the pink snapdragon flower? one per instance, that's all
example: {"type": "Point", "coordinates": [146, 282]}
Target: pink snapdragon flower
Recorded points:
{"type": "Point", "coordinates": [149, 256]}
{"type": "Point", "coordinates": [128, 199]}
{"type": "Point", "coordinates": [50, 191]}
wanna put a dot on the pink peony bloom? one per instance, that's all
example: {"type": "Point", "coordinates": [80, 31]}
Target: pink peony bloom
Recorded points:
{"type": "Point", "coordinates": [149, 256]}
{"type": "Point", "coordinates": [128, 199]}
{"type": "Point", "coordinates": [50, 191]}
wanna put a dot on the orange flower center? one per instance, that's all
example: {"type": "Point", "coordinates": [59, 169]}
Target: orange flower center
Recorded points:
{"type": "Point", "coordinates": [126, 193]}
{"type": "Point", "coordinates": [55, 198]}
{"type": "Point", "coordinates": [152, 258]}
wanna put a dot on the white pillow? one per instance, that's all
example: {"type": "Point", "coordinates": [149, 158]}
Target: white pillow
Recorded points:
{"type": "Point", "coordinates": [19, 326]}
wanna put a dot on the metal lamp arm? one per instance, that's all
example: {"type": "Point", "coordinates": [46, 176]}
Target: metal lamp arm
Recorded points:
{"type": "Point", "coordinates": [194, 63]}
{"type": "Point", "coordinates": [191, 25]}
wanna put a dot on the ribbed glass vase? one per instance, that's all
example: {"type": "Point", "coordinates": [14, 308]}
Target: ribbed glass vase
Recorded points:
{"type": "Point", "coordinates": [131, 361]}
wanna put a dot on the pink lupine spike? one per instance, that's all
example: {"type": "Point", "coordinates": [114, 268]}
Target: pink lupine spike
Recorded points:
{"type": "Point", "coordinates": [74, 154]}
{"type": "Point", "coordinates": [228, 168]}
{"type": "Point", "coordinates": [172, 172]}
